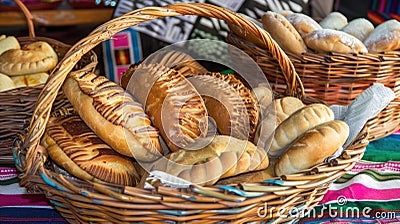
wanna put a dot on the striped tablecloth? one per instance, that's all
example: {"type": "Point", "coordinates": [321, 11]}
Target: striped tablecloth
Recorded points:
{"type": "Point", "coordinates": [369, 193]}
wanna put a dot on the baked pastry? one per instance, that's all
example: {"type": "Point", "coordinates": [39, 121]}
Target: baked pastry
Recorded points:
{"type": "Point", "coordinates": [229, 102]}
{"type": "Point", "coordinates": [35, 57]}
{"type": "Point", "coordinates": [296, 124]}
{"type": "Point", "coordinates": [334, 21]}
{"type": "Point", "coordinates": [6, 83]}
{"type": "Point", "coordinates": [263, 95]}
{"type": "Point", "coordinates": [360, 28]}
{"type": "Point", "coordinates": [283, 32]}
{"type": "Point", "coordinates": [172, 103]}
{"type": "Point", "coordinates": [328, 40]}
{"type": "Point", "coordinates": [113, 115]}
{"type": "Point", "coordinates": [303, 23]}
{"type": "Point", "coordinates": [77, 149]}
{"type": "Point", "coordinates": [7, 43]}
{"type": "Point", "coordinates": [286, 106]}
{"type": "Point", "coordinates": [225, 156]}
{"type": "Point", "coordinates": [385, 37]}
{"type": "Point", "coordinates": [179, 61]}
{"type": "Point", "coordinates": [30, 80]}
{"type": "Point", "coordinates": [313, 147]}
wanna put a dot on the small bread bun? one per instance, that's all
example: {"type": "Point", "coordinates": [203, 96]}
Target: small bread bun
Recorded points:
{"type": "Point", "coordinates": [30, 80]}
{"type": "Point", "coordinates": [8, 43]}
{"type": "Point", "coordinates": [385, 37]}
{"type": "Point", "coordinates": [283, 32]}
{"type": "Point", "coordinates": [328, 40]}
{"type": "Point", "coordinates": [360, 28]}
{"type": "Point", "coordinates": [286, 106]}
{"type": "Point", "coordinates": [303, 23]}
{"type": "Point", "coordinates": [334, 21]}
{"type": "Point", "coordinates": [6, 83]}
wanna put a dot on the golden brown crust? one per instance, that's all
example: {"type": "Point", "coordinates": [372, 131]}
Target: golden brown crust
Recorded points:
{"type": "Point", "coordinates": [30, 80]}
{"type": "Point", "coordinates": [113, 115]}
{"type": "Point", "coordinates": [75, 148]}
{"type": "Point", "coordinates": [313, 147]}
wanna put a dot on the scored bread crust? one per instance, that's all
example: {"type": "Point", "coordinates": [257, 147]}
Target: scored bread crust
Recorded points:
{"type": "Point", "coordinates": [283, 32]}
{"type": "Point", "coordinates": [313, 147]}
{"type": "Point", "coordinates": [173, 104]}
{"type": "Point", "coordinates": [296, 124]}
{"type": "Point", "coordinates": [113, 115]}
{"type": "Point", "coordinates": [225, 156]}
{"type": "Point", "coordinates": [31, 58]}
{"type": "Point", "coordinates": [77, 149]}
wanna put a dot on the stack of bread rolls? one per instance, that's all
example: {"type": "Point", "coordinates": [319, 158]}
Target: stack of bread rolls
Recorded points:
{"type": "Point", "coordinates": [160, 118]}
{"type": "Point", "coordinates": [298, 33]}
{"type": "Point", "coordinates": [24, 66]}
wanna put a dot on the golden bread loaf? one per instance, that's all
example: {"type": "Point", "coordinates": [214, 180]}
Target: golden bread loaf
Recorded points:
{"type": "Point", "coordinates": [313, 147]}
{"type": "Point", "coordinates": [225, 156]}
{"type": "Point", "coordinates": [113, 115]}
{"type": "Point", "coordinates": [296, 124]}
{"type": "Point", "coordinates": [385, 37]}
{"type": "Point", "coordinates": [77, 149]}
{"type": "Point", "coordinates": [286, 106]}
{"type": "Point", "coordinates": [328, 40]}
{"type": "Point", "coordinates": [172, 103]}
{"type": "Point", "coordinates": [334, 21]}
{"type": "Point", "coordinates": [283, 32]}
{"type": "Point", "coordinates": [360, 28]}
{"type": "Point", "coordinates": [303, 23]}
{"type": "Point", "coordinates": [6, 83]}
{"type": "Point", "coordinates": [30, 80]}
{"type": "Point", "coordinates": [32, 58]}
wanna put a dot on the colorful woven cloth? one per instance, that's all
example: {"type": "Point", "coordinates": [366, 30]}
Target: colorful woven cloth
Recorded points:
{"type": "Point", "coordinates": [382, 10]}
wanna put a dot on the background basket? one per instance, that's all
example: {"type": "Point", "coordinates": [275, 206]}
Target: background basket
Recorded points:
{"type": "Point", "coordinates": [84, 201]}
{"type": "Point", "coordinates": [335, 78]}
{"type": "Point", "coordinates": [17, 105]}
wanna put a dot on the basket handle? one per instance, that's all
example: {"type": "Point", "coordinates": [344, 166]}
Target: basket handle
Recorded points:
{"type": "Point", "coordinates": [29, 17]}
{"type": "Point", "coordinates": [107, 30]}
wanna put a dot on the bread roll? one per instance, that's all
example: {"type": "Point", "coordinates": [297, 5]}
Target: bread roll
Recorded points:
{"type": "Point", "coordinates": [283, 32]}
{"type": "Point", "coordinates": [225, 156]}
{"type": "Point", "coordinates": [264, 97]}
{"type": "Point", "coordinates": [113, 115]}
{"type": "Point", "coordinates": [360, 28]}
{"type": "Point", "coordinates": [286, 106]}
{"type": "Point", "coordinates": [6, 83]}
{"type": "Point", "coordinates": [30, 80]}
{"type": "Point", "coordinates": [327, 40]}
{"type": "Point", "coordinates": [172, 103]}
{"type": "Point", "coordinates": [35, 57]}
{"type": "Point", "coordinates": [8, 43]}
{"type": "Point", "coordinates": [334, 21]}
{"type": "Point", "coordinates": [313, 147]}
{"type": "Point", "coordinates": [296, 124]}
{"type": "Point", "coordinates": [385, 37]}
{"type": "Point", "coordinates": [75, 148]}
{"type": "Point", "coordinates": [303, 23]}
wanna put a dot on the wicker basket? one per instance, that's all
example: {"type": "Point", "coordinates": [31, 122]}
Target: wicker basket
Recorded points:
{"type": "Point", "coordinates": [17, 105]}
{"type": "Point", "coordinates": [336, 78]}
{"type": "Point", "coordinates": [88, 202]}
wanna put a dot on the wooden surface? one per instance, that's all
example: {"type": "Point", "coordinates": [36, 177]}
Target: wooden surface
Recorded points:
{"type": "Point", "coordinates": [58, 17]}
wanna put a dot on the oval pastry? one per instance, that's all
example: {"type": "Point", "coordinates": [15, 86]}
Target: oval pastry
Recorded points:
{"type": "Point", "coordinates": [113, 115]}
{"type": "Point", "coordinates": [77, 149]}
{"type": "Point", "coordinates": [31, 58]}
{"type": "Point", "coordinates": [173, 104]}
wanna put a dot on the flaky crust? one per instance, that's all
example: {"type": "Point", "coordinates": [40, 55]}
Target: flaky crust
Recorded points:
{"type": "Point", "coordinates": [113, 115]}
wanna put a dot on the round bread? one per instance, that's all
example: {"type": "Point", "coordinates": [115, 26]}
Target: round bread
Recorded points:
{"type": "Point", "coordinates": [6, 83]}
{"type": "Point", "coordinates": [30, 80]}
{"type": "Point", "coordinates": [8, 43]}
{"type": "Point", "coordinates": [328, 40]}
{"type": "Point", "coordinates": [313, 147]}
{"type": "Point", "coordinates": [303, 23]}
{"type": "Point", "coordinates": [32, 58]}
{"type": "Point", "coordinates": [360, 28]}
{"type": "Point", "coordinates": [74, 147]}
{"type": "Point", "coordinates": [334, 21]}
{"type": "Point", "coordinates": [224, 156]}
{"type": "Point", "coordinates": [385, 37]}
{"type": "Point", "coordinates": [283, 32]}
{"type": "Point", "coordinates": [113, 114]}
